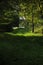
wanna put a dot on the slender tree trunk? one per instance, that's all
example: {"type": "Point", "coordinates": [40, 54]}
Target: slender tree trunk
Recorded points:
{"type": "Point", "coordinates": [32, 25]}
{"type": "Point", "coordinates": [32, 20]}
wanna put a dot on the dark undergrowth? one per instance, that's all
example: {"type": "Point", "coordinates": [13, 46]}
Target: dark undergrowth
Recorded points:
{"type": "Point", "coordinates": [20, 50]}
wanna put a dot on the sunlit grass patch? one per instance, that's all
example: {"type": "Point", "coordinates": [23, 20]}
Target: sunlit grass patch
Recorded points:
{"type": "Point", "coordinates": [25, 34]}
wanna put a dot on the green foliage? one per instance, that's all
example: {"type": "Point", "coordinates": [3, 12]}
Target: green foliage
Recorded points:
{"type": "Point", "coordinates": [21, 50]}
{"type": "Point", "coordinates": [32, 10]}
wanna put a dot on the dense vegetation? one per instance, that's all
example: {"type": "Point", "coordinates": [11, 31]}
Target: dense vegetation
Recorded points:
{"type": "Point", "coordinates": [32, 10]}
{"type": "Point", "coordinates": [23, 45]}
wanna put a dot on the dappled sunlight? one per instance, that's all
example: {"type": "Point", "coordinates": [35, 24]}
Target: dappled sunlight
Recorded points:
{"type": "Point", "coordinates": [24, 34]}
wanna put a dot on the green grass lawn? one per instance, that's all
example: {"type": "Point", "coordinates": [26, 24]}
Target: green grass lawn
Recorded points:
{"type": "Point", "coordinates": [24, 32]}
{"type": "Point", "coordinates": [21, 50]}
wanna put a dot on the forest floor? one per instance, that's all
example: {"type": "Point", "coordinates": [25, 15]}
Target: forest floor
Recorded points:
{"type": "Point", "coordinates": [21, 50]}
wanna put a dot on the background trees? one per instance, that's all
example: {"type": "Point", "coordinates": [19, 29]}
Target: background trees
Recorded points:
{"type": "Point", "coordinates": [32, 10]}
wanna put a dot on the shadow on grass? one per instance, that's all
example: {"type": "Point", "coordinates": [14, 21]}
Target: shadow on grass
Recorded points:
{"type": "Point", "coordinates": [21, 50]}
{"type": "Point", "coordinates": [20, 30]}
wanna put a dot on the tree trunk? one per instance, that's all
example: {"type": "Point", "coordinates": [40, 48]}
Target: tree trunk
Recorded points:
{"type": "Point", "coordinates": [32, 27]}
{"type": "Point", "coordinates": [32, 20]}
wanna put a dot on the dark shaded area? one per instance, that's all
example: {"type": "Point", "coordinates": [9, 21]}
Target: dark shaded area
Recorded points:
{"type": "Point", "coordinates": [8, 27]}
{"type": "Point", "coordinates": [20, 50]}
{"type": "Point", "coordinates": [15, 22]}
{"type": "Point", "coordinates": [5, 28]}
{"type": "Point", "coordinates": [20, 30]}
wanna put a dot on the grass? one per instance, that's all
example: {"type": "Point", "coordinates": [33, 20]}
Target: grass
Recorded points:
{"type": "Point", "coordinates": [25, 32]}
{"type": "Point", "coordinates": [21, 50]}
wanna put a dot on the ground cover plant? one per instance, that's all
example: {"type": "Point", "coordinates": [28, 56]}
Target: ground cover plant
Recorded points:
{"type": "Point", "coordinates": [21, 50]}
